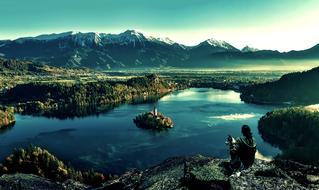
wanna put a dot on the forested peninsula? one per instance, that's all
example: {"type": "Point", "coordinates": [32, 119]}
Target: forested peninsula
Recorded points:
{"type": "Point", "coordinates": [82, 98]}
{"type": "Point", "coordinates": [295, 131]}
{"type": "Point", "coordinates": [293, 88]}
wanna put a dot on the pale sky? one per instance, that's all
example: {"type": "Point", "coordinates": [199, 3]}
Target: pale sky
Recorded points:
{"type": "Point", "coordinates": [273, 24]}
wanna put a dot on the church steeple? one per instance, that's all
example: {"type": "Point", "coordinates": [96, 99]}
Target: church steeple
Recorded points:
{"type": "Point", "coordinates": [155, 111]}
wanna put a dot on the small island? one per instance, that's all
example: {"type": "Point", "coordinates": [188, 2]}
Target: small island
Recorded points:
{"type": "Point", "coordinates": [153, 120]}
{"type": "Point", "coordinates": [7, 118]}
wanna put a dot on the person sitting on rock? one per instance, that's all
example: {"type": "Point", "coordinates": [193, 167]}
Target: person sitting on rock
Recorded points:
{"type": "Point", "coordinates": [242, 150]}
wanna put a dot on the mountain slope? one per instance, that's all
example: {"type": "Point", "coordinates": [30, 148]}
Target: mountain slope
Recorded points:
{"type": "Point", "coordinates": [132, 49]}
{"type": "Point", "coordinates": [249, 49]}
{"type": "Point", "coordinates": [22, 67]}
{"type": "Point", "coordinates": [248, 53]}
{"type": "Point", "coordinates": [311, 53]}
{"type": "Point", "coordinates": [128, 49]}
{"type": "Point", "coordinates": [300, 87]}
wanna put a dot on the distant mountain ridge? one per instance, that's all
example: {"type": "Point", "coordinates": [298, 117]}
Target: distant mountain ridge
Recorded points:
{"type": "Point", "coordinates": [249, 49]}
{"type": "Point", "coordinates": [132, 49]}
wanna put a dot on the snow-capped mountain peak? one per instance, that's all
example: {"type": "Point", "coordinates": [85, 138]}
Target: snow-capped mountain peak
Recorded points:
{"type": "Point", "coordinates": [87, 38]}
{"type": "Point", "coordinates": [136, 36]}
{"type": "Point", "coordinates": [166, 40]}
{"type": "Point", "coordinates": [217, 43]}
{"type": "Point", "coordinates": [124, 38]}
{"type": "Point", "coordinates": [161, 40]}
{"type": "Point", "coordinates": [128, 37]}
{"type": "Point", "coordinates": [132, 33]}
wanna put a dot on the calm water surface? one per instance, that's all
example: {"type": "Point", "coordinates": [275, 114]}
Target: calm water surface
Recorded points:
{"type": "Point", "coordinates": [112, 143]}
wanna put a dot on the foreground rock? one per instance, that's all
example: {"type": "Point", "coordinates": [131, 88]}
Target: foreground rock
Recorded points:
{"type": "Point", "coordinates": [197, 172]}
{"type": "Point", "coordinates": [200, 172]}
{"type": "Point", "coordinates": [33, 182]}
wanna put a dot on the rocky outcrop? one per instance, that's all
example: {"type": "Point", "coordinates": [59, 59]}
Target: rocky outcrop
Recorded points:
{"type": "Point", "coordinates": [33, 182]}
{"type": "Point", "coordinates": [195, 172]}
{"type": "Point", "coordinates": [200, 172]}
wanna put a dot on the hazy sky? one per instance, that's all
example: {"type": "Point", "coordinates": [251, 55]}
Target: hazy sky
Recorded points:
{"type": "Point", "coordinates": [268, 24]}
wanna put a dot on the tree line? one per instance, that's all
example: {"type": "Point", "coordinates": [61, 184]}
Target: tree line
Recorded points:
{"type": "Point", "coordinates": [299, 88]}
{"type": "Point", "coordinates": [295, 131]}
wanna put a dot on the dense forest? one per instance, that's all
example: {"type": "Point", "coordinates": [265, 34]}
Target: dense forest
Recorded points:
{"type": "Point", "coordinates": [6, 117]}
{"type": "Point", "coordinates": [295, 131]}
{"type": "Point", "coordinates": [44, 97]}
{"type": "Point", "coordinates": [38, 161]}
{"type": "Point", "coordinates": [293, 88]}
{"type": "Point", "coordinates": [21, 67]}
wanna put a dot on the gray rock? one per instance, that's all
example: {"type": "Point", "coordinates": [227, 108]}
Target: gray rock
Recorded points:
{"type": "Point", "coordinates": [264, 175]}
{"type": "Point", "coordinates": [196, 172]}
{"type": "Point", "coordinates": [27, 182]}
{"type": "Point", "coordinates": [33, 182]}
{"type": "Point", "coordinates": [199, 172]}
{"type": "Point", "coordinates": [188, 173]}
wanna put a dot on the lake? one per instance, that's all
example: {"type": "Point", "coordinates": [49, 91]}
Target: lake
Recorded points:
{"type": "Point", "coordinates": [110, 142]}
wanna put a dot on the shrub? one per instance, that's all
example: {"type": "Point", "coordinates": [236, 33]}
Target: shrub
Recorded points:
{"type": "Point", "coordinates": [38, 161]}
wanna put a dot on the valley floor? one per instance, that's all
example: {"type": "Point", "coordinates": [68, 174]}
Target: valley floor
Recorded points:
{"type": "Point", "coordinates": [224, 79]}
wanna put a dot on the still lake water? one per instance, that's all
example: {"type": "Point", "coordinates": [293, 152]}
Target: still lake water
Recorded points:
{"type": "Point", "coordinates": [112, 143]}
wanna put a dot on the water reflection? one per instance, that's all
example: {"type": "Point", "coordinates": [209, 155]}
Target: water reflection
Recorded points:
{"type": "Point", "coordinates": [77, 111]}
{"type": "Point", "coordinates": [7, 128]}
{"type": "Point", "coordinates": [235, 116]}
{"type": "Point", "coordinates": [196, 94]}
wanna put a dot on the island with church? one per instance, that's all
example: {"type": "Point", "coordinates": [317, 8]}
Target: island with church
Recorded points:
{"type": "Point", "coordinates": [153, 120]}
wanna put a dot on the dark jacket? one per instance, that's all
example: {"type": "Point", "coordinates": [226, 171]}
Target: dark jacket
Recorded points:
{"type": "Point", "coordinates": [245, 149]}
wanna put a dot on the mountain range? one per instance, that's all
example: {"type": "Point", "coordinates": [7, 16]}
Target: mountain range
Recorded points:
{"type": "Point", "coordinates": [132, 49]}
